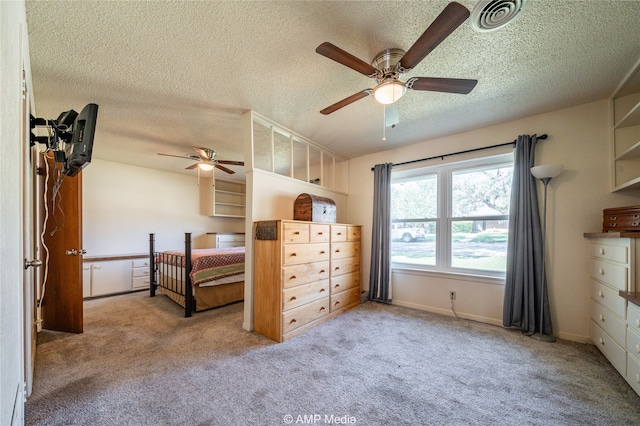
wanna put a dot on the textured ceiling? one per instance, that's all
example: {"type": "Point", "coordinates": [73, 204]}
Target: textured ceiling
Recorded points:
{"type": "Point", "coordinates": [169, 75]}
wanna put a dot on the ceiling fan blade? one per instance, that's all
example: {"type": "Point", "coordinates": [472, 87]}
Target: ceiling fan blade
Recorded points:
{"type": "Point", "coordinates": [191, 167]}
{"type": "Point", "coordinates": [202, 153]}
{"type": "Point", "coordinates": [233, 163]}
{"type": "Point", "coordinates": [449, 19]}
{"type": "Point", "coordinates": [224, 169]}
{"type": "Point", "coordinates": [447, 85]}
{"type": "Point", "coordinates": [345, 102]}
{"type": "Point", "coordinates": [345, 58]}
{"type": "Point", "coordinates": [189, 157]}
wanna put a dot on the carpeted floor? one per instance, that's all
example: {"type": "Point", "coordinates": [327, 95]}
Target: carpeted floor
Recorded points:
{"type": "Point", "coordinates": [139, 362]}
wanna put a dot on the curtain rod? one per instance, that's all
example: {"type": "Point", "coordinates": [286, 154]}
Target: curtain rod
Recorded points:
{"type": "Point", "coordinates": [544, 136]}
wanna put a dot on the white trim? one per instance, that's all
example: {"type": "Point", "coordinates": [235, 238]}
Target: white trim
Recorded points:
{"type": "Point", "coordinates": [475, 278]}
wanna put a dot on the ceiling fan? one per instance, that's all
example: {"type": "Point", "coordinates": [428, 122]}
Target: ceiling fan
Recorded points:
{"type": "Point", "coordinates": [206, 160]}
{"type": "Point", "coordinates": [388, 65]}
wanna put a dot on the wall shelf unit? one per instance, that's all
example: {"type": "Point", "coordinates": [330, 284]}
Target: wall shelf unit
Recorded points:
{"type": "Point", "coordinates": [223, 198]}
{"type": "Point", "coordinates": [625, 139]}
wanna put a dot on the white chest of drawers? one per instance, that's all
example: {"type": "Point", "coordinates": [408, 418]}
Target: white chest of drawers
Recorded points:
{"type": "Point", "coordinates": [613, 272]}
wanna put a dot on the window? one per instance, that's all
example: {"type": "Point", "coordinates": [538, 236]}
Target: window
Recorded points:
{"type": "Point", "coordinates": [454, 217]}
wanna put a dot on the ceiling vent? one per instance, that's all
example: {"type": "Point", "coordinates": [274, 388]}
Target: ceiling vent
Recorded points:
{"type": "Point", "coordinates": [489, 15]}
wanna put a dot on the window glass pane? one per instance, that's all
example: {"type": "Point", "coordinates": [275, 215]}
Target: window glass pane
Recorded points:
{"type": "Point", "coordinates": [479, 244]}
{"type": "Point", "coordinates": [481, 192]}
{"type": "Point", "coordinates": [415, 199]}
{"type": "Point", "coordinates": [300, 160]}
{"type": "Point", "coordinates": [282, 154]}
{"type": "Point", "coordinates": [413, 242]}
{"type": "Point", "coordinates": [261, 146]}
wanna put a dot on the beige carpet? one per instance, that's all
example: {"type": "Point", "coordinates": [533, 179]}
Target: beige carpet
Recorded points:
{"type": "Point", "coordinates": [139, 362]}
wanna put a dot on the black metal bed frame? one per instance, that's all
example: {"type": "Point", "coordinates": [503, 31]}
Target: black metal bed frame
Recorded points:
{"type": "Point", "coordinates": [159, 272]}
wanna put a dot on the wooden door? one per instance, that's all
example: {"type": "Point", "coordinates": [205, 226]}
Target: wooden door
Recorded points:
{"type": "Point", "coordinates": [62, 299]}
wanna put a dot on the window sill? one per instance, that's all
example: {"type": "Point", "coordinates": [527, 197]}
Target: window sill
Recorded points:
{"type": "Point", "coordinates": [476, 278]}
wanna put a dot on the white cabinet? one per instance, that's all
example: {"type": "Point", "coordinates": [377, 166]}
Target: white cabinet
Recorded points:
{"type": "Point", "coordinates": [223, 198]}
{"type": "Point", "coordinates": [102, 276]}
{"type": "Point", "coordinates": [614, 279]}
{"type": "Point", "coordinates": [225, 239]}
{"type": "Point", "coordinates": [625, 140]}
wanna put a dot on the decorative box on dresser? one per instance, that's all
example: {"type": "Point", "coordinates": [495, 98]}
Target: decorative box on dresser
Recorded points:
{"type": "Point", "coordinates": [614, 267]}
{"type": "Point", "coordinates": [304, 274]}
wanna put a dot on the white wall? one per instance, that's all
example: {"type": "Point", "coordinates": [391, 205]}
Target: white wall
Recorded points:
{"type": "Point", "coordinates": [12, 47]}
{"type": "Point", "coordinates": [578, 139]}
{"type": "Point", "coordinates": [123, 204]}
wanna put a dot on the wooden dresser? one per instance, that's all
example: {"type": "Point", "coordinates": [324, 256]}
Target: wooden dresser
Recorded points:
{"type": "Point", "coordinates": [304, 274]}
{"type": "Point", "coordinates": [614, 270]}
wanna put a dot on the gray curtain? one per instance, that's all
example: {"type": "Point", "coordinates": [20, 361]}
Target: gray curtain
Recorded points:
{"type": "Point", "coordinates": [525, 278]}
{"type": "Point", "coordinates": [379, 280]}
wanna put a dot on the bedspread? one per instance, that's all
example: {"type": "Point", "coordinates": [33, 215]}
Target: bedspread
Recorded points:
{"type": "Point", "coordinates": [209, 264]}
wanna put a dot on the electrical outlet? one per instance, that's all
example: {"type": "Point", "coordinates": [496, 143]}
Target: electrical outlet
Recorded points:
{"type": "Point", "coordinates": [452, 295]}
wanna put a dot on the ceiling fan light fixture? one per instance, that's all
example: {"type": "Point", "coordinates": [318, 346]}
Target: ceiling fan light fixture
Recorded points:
{"type": "Point", "coordinates": [389, 91]}
{"type": "Point", "coordinates": [205, 166]}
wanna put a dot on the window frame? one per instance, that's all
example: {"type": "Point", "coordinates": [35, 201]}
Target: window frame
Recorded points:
{"type": "Point", "coordinates": [445, 218]}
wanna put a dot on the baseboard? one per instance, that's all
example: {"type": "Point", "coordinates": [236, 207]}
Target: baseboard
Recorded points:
{"type": "Point", "coordinates": [448, 312]}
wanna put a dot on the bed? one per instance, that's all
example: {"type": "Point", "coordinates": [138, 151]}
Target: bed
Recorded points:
{"type": "Point", "coordinates": [197, 279]}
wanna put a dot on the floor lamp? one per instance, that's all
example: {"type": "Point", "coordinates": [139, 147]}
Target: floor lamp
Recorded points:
{"type": "Point", "coordinates": [545, 173]}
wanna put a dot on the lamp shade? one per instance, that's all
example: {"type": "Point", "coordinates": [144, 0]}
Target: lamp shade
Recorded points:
{"type": "Point", "coordinates": [205, 166]}
{"type": "Point", "coordinates": [547, 171]}
{"type": "Point", "coordinates": [389, 91]}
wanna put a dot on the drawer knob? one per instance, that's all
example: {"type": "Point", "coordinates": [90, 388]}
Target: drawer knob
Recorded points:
{"type": "Point", "coordinates": [322, 252]}
{"type": "Point", "coordinates": [321, 290]}
{"type": "Point", "coordinates": [638, 349]}
{"type": "Point", "coordinates": [292, 298]}
{"type": "Point", "coordinates": [292, 321]}
{"type": "Point", "coordinates": [636, 216]}
{"type": "Point", "coordinates": [292, 277]}
{"type": "Point", "coordinates": [602, 251]}
{"type": "Point", "coordinates": [322, 309]}
{"type": "Point", "coordinates": [601, 317]}
{"type": "Point", "coordinates": [601, 340]}
{"type": "Point", "coordinates": [637, 378]}
{"type": "Point", "coordinates": [339, 233]}
{"type": "Point", "coordinates": [337, 303]}
{"type": "Point", "coordinates": [319, 233]}
{"type": "Point", "coordinates": [601, 271]}
{"type": "Point", "coordinates": [614, 217]}
{"type": "Point", "coordinates": [337, 250]}
{"type": "Point", "coordinates": [293, 254]}
{"type": "Point", "coordinates": [296, 233]}
{"type": "Point", "coordinates": [322, 271]}
{"type": "Point", "coordinates": [336, 286]}
{"type": "Point", "coordinates": [637, 322]}
{"type": "Point", "coordinates": [601, 294]}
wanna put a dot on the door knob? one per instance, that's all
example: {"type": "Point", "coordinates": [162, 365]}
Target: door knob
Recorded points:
{"type": "Point", "coordinates": [33, 263]}
{"type": "Point", "coordinates": [72, 252]}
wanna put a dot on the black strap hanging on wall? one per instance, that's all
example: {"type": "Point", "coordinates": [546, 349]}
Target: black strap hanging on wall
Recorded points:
{"type": "Point", "coordinates": [541, 137]}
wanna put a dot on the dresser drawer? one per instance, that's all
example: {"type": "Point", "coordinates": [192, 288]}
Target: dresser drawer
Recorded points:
{"type": "Point", "coordinates": [295, 254]}
{"type": "Point", "coordinates": [338, 233]}
{"type": "Point", "coordinates": [345, 265]}
{"type": "Point", "coordinates": [633, 373]}
{"type": "Point", "coordinates": [140, 263]}
{"type": "Point", "coordinates": [633, 317]}
{"type": "Point", "coordinates": [613, 325]}
{"type": "Point", "coordinates": [633, 343]}
{"type": "Point", "coordinates": [346, 249]}
{"type": "Point", "coordinates": [353, 233]}
{"type": "Point", "coordinates": [608, 252]}
{"type": "Point", "coordinates": [303, 294]}
{"type": "Point", "coordinates": [319, 233]}
{"type": "Point", "coordinates": [345, 298]}
{"type": "Point", "coordinates": [608, 273]}
{"type": "Point", "coordinates": [304, 314]}
{"type": "Point", "coordinates": [305, 273]}
{"type": "Point", "coordinates": [140, 272]}
{"type": "Point", "coordinates": [140, 282]}
{"type": "Point", "coordinates": [609, 298]}
{"type": "Point", "coordinates": [295, 232]}
{"type": "Point", "coordinates": [613, 351]}
{"type": "Point", "coordinates": [344, 282]}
